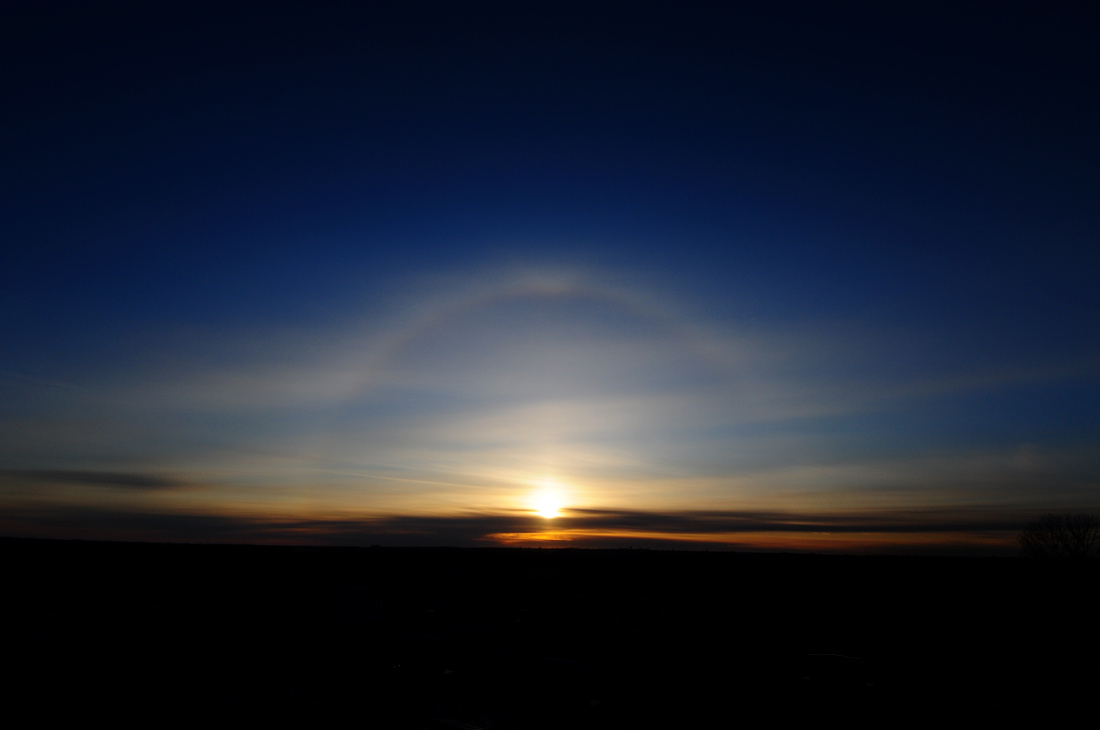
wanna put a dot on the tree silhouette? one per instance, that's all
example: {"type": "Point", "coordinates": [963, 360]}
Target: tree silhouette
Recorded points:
{"type": "Point", "coordinates": [1066, 535]}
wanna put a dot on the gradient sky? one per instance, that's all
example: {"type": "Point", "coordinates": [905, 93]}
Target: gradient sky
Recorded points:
{"type": "Point", "coordinates": [801, 277]}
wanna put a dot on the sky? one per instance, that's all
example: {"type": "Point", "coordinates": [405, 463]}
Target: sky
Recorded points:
{"type": "Point", "coordinates": [813, 277]}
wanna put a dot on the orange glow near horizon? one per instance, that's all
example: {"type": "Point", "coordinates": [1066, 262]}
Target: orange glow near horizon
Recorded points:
{"type": "Point", "coordinates": [767, 541]}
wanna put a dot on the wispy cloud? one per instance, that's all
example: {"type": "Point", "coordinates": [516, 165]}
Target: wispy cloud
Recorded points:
{"type": "Point", "coordinates": [462, 398]}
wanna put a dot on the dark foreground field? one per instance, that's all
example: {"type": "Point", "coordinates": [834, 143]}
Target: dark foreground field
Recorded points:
{"type": "Point", "coordinates": [510, 638]}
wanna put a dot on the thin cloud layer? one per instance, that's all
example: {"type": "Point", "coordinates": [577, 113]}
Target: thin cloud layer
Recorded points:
{"type": "Point", "coordinates": [471, 398]}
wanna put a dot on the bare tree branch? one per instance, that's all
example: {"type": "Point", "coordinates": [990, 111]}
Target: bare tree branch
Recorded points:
{"type": "Point", "coordinates": [1066, 535]}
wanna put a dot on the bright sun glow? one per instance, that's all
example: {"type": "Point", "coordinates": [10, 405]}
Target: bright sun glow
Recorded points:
{"type": "Point", "coordinates": [548, 506]}
{"type": "Point", "coordinates": [547, 501]}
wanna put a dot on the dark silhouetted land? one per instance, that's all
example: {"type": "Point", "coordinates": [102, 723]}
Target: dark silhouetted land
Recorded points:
{"type": "Point", "coordinates": [522, 638]}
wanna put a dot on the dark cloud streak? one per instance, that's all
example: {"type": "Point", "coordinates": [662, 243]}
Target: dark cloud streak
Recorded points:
{"type": "Point", "coordinates": [595, 528]}
{"type": "Point", "coordinates": [723, 522]}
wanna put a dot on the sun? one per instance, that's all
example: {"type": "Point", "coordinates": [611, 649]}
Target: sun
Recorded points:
{"type": "Point", "coordinates": [547, 501]}
{"type": "Point", "coordinates": [548, 506]}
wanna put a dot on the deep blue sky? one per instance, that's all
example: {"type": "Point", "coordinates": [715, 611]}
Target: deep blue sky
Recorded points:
{"type": "Point", "coordinates": [815, 249]}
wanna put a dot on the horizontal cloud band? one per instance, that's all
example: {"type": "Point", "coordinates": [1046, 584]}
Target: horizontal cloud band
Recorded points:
{"type": "Point", "coordinates": [577, 526]}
